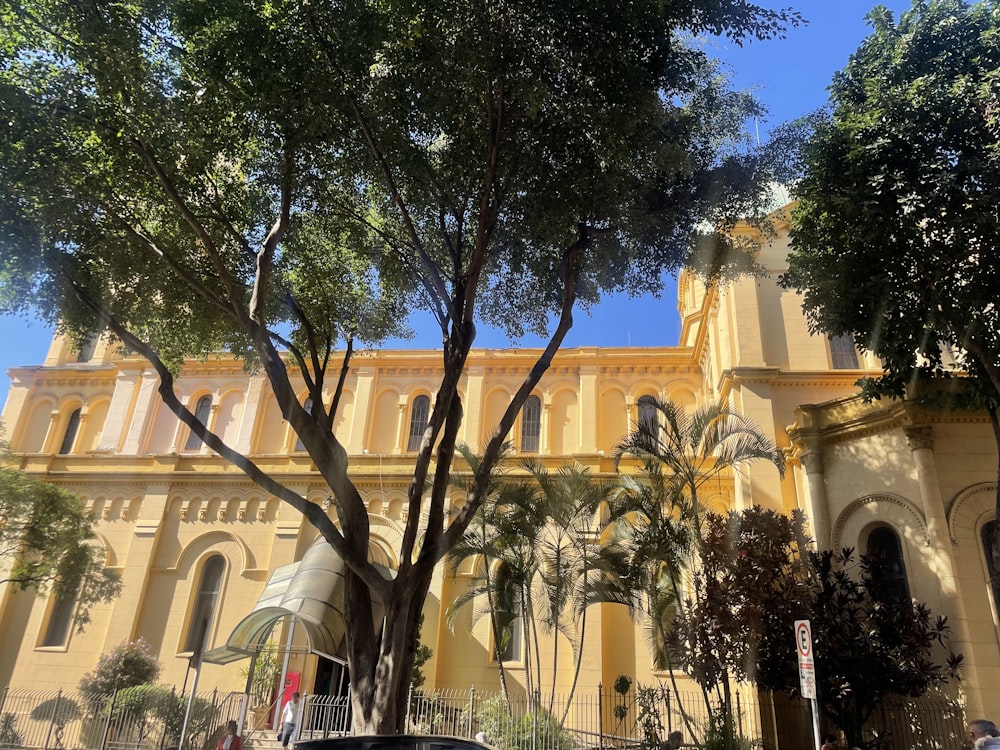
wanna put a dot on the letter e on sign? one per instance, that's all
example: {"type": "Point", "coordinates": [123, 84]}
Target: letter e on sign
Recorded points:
{"type": "Point", "coordinates": [807, 671]}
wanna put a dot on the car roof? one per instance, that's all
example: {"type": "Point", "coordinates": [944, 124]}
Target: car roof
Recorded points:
{"type": "Point", "coordinates": [393, 742]}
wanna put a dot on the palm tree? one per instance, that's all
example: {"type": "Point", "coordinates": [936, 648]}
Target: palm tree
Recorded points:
{"type": "Point", "coordinates": [490, 543]}
{"type": "Point", "coordinates": [695, 447]}
{"type": "Point", "coordinates": [542, 562]}
{"type": "Point", "coordinates": [573, 568]}
{"type": "Point", "coordinates": [658, 513]}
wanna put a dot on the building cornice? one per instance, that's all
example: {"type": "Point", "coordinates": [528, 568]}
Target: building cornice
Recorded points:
{"type": "Point", "coordinates": [851, 417]}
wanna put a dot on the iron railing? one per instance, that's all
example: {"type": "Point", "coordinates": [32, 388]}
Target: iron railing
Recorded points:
{"type": "Point", "coordinates": [598, 719]}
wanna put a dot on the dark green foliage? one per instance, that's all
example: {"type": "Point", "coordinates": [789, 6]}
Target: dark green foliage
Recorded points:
{"type": "Point", "coordinates": [47, 543]}
{"type": "Point", "coordinates": [537, 729]}
{"type": "Point", "coordinates": [756, 576]}
{"type": "Point", "coordinates": [750, 583]}
{"type": "Point", "coordinates": [146, 706]}
{"type": "Point", "coordinates": [9, 736]}
{"type": "Point", "coordinates": [866, 650]}
{"type": "Point", "coordinates": [422, 655]}
{"type": "Point", "coordinates": [894, 238]}
{"type": "Point", "coordinates": [659, 520]}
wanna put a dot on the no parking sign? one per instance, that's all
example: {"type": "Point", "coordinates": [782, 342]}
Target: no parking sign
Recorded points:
{"type": "Point", "coordinates": [807, 670]}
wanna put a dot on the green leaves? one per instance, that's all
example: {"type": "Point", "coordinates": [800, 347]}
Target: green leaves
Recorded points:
{"type": "Point", "coordinates": [895, 234]}
{"type": "Point", "coordinates": [48, 544]}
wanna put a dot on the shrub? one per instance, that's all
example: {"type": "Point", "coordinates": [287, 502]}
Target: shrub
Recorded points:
{"type": "Point", "coordinates": [9, 736]}
{"type": "Point", "coordinates": [127, 665]}
{"type": "Point", "coordinates": [539, 729]}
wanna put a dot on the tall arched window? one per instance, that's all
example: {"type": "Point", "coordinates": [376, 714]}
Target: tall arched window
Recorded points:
{"type": "Point", "coordinates": [206, 598]}
{"type": "Point", "coordinates": [531, 424]}
{"type": "Point", "coordinates": [889, 571]}
{"type": "Point", "coordinates": [420, 412]}
{"type": "Point", "coordinates": [201, 413]}
{"type": "Point", "coordinates": [988, 536]}
{"type": "Point", "coordinates": [69, 437]}
{"type": "Point", "coordinates": [843, 355]}
{"type": "Point", "coordinates": [308, 405]}
{"type": "Point", "coordinates": [647, 414]}
{"type": "Point", "coordinates": [60, 620]}
{"type": "Point", "coordinates": [513, 650]}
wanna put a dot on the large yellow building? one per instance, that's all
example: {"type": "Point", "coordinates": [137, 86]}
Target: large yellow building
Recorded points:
{"type": "Point", "coordinates": [184, 527]}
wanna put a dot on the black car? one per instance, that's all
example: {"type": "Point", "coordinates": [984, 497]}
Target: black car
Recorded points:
{"type": "Point", "coordinates": [393, 742]}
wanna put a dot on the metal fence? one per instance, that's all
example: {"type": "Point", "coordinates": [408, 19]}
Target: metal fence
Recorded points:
{"type": "Point", "coordinates": [150, 717]}
{"type": "Point", "coordinates": [144, 718]}
{"type": "Point", "coordinates": [601, 718]}
{"type": "Point", "coordinates": [933, 722]}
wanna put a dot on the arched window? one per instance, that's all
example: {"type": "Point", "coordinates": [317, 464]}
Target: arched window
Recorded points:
{"type": "Point", "coordinates": [206, 598]}
{"type": "Point", "coordinates": [201, 412]}
{"type": "Point", "coordinates": [842, 353]}
{"type": "Point", "coordinates": [69, 437]}
{"type": "Point", "coordinates": [889, 570]}
{"type": "Point", "coordinates": [420, 412]}
{"type": "Point", "coordinates": [513, 650]}
{"type": "Point", "coordinates": [989, 535]}
{"type": "Point", "coordinates": [531, 424]}
{"type": "Point", "coordinates": [308, 405]}
{"type": "Point", "coordinates": [88, 347]}
{"type": "Point", "coordinates": [647, 414]}
{"type": "Point", "coordinates": [60, 620]}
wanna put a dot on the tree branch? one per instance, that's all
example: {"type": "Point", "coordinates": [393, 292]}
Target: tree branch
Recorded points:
{"type": "Point", "coordinates": [186, 276]}
{"type": "Point", "coordinates": [313, 513]}
{"type": "Point", "coordinates": [492, 453]}
{"type": "Point", "coordinates": [233, 288]}
{"type": "Point", "coordinates": [265, 256]}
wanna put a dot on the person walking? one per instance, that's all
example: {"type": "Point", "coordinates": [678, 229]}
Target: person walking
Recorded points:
{"type": "Point", "coordinates": [290, 720]}
{"type": "Point", "coordinates": [984, 735]}
{"type": "Point", "coordinates": [230, 740]}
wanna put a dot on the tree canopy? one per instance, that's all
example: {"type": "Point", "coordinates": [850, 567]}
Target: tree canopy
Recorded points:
{"type": "Point", "coordinates": [895, 235]}
{"type": "Point", "coordinates": [283, 180]}
{"type": "Point", "coordinates": [47, 544]}
{"type": "Point", "coordinates": [894, 238]}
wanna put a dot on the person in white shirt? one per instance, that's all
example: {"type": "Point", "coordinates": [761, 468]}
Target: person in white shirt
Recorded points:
{"type": "Point", "coordinates": [290, 719]}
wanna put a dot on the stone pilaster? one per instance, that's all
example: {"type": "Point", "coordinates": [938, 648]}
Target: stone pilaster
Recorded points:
{"type": "Point", "coordinates": [819, 507]}
{"type": "Point", "coordinates": [920, 439]}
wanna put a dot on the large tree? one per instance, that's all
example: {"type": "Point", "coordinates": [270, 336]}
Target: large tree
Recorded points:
{"type": "Point", "coordinates": [894, 241]}
{"type": "Point", "coordinates": [282, 179]}
{"type": "Point", "coordinates": [869, 643]}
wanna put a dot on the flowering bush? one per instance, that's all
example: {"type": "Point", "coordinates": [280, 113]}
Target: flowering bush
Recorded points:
{"type": "Point", "coordinates": [127, 665]}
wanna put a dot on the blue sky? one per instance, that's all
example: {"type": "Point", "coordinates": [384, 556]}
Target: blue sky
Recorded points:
{"type": "Point", "coordinates": [790, 77]}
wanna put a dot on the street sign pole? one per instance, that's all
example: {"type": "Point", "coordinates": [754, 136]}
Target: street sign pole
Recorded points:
{"type": "Point", "coordinates": [807, 674]}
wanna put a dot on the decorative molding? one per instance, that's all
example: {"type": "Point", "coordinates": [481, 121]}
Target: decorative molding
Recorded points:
{"type": "Point", "coordinates": [919, 437]}
{"type": "Point", "coordinates": [812, 462]}
{"type": "Point", "coordinates": [972, 493]}
{"type": "Point", "coordinates": [845, 515]}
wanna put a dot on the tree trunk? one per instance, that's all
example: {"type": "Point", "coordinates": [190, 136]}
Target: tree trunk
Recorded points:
{"type": "Point", "coordinates": [380, 658]}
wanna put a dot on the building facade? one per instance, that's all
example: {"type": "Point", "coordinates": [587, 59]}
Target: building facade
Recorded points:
{"type": "Point", "coordinates": [190, 534]}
